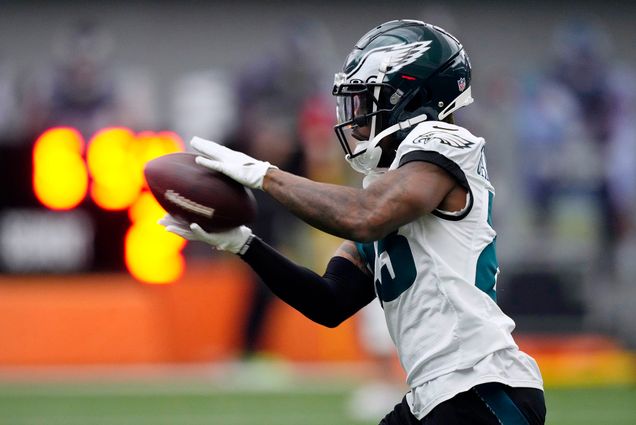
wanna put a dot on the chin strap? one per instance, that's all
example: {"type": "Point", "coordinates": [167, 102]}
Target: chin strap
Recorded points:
{"type": "Point", "coordinates": [368, 154]}
{"type": "Point", "coordinates": [366, 160]}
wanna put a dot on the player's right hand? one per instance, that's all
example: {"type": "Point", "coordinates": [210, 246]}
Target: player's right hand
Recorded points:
{"type": "Point", "coordinates": [234, 164]}
{"type": "Point", "coordinates": [233, 240]}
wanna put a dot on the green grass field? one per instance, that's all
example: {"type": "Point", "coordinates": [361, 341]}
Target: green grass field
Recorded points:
{"type": "Point", "coordinates": [183, 403]}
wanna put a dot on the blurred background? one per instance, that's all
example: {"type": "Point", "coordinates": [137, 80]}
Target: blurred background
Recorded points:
{"type": "Point", "coordinates": [105, 318]}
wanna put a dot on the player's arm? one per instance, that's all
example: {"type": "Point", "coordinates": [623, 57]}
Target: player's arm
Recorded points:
{"type": "Point", "coordinates": [344, 288]}
{"type": "Point", "coordinates": [396, 198]}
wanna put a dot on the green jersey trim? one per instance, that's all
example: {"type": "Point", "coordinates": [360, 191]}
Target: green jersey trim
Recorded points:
{"type": "Point", "coordinates": [487, 264]}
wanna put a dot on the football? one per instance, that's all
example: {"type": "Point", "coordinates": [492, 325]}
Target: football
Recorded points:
{"type": "Point", "coordinates": [191, 192]}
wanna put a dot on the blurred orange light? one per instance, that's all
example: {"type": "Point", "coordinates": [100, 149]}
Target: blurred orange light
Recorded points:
{"type": "Point", "coordinates": [116, 184]}
{"type": "Point", "coordinates": [153, 145]}
{"type": "Point", "coordinates": [146, 208]}
{"type": "Point", "coordinates": [152, 255]}
{"type": "Point", "coordinates": [115, 159]}
{"type": "Point", "coordinates": [60, 179]}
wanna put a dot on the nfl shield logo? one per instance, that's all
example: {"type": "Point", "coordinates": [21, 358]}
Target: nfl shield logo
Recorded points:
{"type": "Point", "coordinates": [461, 84]}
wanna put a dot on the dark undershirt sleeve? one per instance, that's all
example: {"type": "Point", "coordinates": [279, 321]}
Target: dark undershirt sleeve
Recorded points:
{"type": "Point", "coordinates": [328, 300]}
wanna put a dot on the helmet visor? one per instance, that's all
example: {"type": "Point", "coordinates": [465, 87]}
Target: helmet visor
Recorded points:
{"type": "Point", "coordinates": [357, 106]}
{"type": "Point", "coordinates": [353, 107]}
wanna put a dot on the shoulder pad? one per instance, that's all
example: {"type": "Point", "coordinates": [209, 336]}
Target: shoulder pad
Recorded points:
{"type": "Point", "coordinates": [452, 135]}
{"type": "Point", "coordinates": [450, 140]}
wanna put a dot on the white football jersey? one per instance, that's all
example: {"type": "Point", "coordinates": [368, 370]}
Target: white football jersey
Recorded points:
{"type": "Point", "coordinates": [436, 278]}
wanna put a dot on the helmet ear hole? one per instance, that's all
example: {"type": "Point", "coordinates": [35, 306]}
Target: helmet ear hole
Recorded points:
{"type": "Point", "coordinates": [416, 101]}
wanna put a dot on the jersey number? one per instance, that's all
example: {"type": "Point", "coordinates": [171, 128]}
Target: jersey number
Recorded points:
{"type": "Point", "coordinates": [395, 270]}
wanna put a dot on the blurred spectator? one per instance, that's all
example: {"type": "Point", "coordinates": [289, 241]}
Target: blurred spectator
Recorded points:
{"type": "Point", "coordinates": [550, 128]}
{"type": "Point", "coordinates": [204, 105]}
{"type": "Point", "coordinates": [300, 67]}
{"type": "Point", "coordinates": [586, 66]}
{"type": "Point", "coordinates": [272, 93]}
{"type": "Point", "coordinates": [578, 144]}
{"type": "Point", "coordinates": [323, 154]}
{"type": "Point", "coordinates": [84, 90]}
{"type": "Point", "coordinates": [324, 161]}
{"type": "Point", "coordinates": [276, 142]}
{"type": "Point", "coordinates": [575, 125]}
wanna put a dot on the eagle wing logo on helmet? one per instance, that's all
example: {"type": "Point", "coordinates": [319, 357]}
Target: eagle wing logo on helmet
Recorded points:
{"type": "Point", "coordinates": [400, 56]}
{"type": "Point", "coordinates": [393, 58]}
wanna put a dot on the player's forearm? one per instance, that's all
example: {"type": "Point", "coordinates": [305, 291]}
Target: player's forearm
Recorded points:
{"type": "Point", "coordinates": [339, 210]}
{"type": "Point", "coordinates": [327, 300]}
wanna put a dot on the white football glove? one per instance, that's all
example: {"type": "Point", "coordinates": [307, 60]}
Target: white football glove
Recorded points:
{"type": "Point", "coordinates": [236, 165]}
{"type": "Point", "coordinates": [233, 240]}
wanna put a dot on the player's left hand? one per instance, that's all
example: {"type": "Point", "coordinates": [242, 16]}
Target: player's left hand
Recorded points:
{"type": "Point", "coordinates": [233, 240]}
{"type": "Point", "coordinates": [236, 165]}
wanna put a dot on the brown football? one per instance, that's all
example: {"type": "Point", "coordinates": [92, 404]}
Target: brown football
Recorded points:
{"type": "Point", "coordinates": [198, 195]}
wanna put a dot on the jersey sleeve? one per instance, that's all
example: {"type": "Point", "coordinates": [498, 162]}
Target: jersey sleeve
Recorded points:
{"type": "Point", "coordinates": [454, 153]}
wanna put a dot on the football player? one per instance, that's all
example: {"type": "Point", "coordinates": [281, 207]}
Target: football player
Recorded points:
{"type": "Point", "coordinates": [418, 234]}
